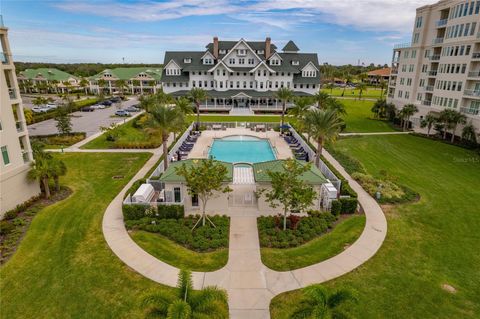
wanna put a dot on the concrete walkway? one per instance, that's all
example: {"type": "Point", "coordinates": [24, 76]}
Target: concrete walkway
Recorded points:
{"type": "Point", "coordinates": [250, 284]}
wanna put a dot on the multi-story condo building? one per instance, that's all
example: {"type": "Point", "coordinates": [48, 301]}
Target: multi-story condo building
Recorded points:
{"type": "Point", "coordinates": [241, 74]}
{"type": "Point", "coordinates": [46, 80]}
{"type": "Point", "coordinates": [440, 68]}
{"type": "Point", "coordinates": [135, 80]}
{"type": "Point", "coordinates": [15, 188]}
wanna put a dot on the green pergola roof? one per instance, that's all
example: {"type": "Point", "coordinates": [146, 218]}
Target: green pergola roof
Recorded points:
{"type": "Point", "coordinates": [170, 175]}
{"type": "Point", "coordinates": [313, 176]}
{"type": "Point", "coordinates": [49, 74]}
{"type": "Point", "coordinates": [129, 73]}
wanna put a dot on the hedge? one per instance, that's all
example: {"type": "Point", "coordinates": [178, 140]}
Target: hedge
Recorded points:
{"type": "Point", "coordinates": [336, 208]}
{"type": "Point", "coordinates": [349, 205]}
{"type": "Point", "coordinates": [136, 212]}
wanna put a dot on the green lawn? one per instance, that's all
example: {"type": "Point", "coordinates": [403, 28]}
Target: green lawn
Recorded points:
{"type": "Point", "coordinates": [317, 250]}
{"type": "Point", "coordinates": [178, 256]}
{"type": "Point", "coordinates": [369, 93]}
{"type": "Point", "coordinates": [236, 118]}
{"type": "Point", "coordinates": [429, 243]}
{"type": "Point", "coordinates": [63, 268]}
{"type": "Point", "coordinates": [129, 137]}
{"type": "Point", "coordinates": [359, 117]}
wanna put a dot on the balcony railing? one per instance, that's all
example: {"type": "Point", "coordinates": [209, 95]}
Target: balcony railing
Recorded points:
{"type": "Point", "coordinates": [402, 45]}
{"type": "Point", "coordinates": [441, 23]}
{"type": "Point", "coordinates": [434, 57]}
{"type": "Point", "coordinates": [432, 73]}
{"type": "Point", "coordinates": [390, 95]}
{"type": "Point", "coordinates": [476, 55]}
{"type": "Point", "coordinates": [392, 84]}
{"type": "Point", "coordinates": [427, 102]}
{"type": "Point", "coordinates": [472, 92]}
{"type": "Point", "coordinates": [394, 71]}
{"type": "Point", "coordinates": [429, 88]}
{"type": "Point", "coordinates": [19, 125]}
{"type": "Point", "coordinates": [26, 156]}
{"type": "Point", "coordinates": [437, 41]}
{"type": "Point", "coordinates": [475, 74]}
{"type": "Point", "coordinates": [12, 93]}
{"type": "Point", "coordinates": [3, 58]}
{"type": "Point", "coordinates": [469, 110]}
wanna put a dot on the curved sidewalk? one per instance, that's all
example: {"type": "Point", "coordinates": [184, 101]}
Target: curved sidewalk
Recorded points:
{"type": "Point", "coordinates": [250, 284]}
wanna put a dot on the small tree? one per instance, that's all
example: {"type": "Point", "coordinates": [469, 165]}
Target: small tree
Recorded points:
{"type": "Point", "coordinates": [64, 122]}
{"type": "Point", "coordinates": [197, 95]}
{"type": "Point", "coordinates": [204, 178]}
{"type": "Point", "coordinates": [469, 134]}
{"type": "Point", "coordinates": [111, 132]}
{"type": "Point", "coordinates": [428, 122]}
{"type": "Point", "coordinates": [284, 94]}
{"type": "Point", "coordinates": [288, 190]}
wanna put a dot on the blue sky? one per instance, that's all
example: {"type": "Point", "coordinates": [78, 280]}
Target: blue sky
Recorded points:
{"type": "Point", "coordinates": [340, 31]}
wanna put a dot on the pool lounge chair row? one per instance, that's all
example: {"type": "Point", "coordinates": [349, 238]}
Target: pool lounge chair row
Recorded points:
{"type": "Point", "coordinates": [296, 148]}
{"type": "Point", "coordinates": [187, 145]}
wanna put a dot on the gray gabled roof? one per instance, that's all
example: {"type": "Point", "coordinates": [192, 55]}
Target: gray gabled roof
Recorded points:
{"type": "Point", "coordinates": [228, 45]}
{"type": "Point", "coordinates": [290, 47]}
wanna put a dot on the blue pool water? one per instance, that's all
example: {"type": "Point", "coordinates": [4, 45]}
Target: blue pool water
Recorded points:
{"type": "Point", "coordinates": [247, 149]}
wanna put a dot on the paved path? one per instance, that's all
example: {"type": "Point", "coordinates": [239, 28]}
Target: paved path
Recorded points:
{"type": "Point", "coordinates": [250, 284]}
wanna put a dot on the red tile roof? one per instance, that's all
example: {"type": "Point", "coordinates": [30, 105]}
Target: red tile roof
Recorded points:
{"type": "Point", "coordinates": [380, 72]}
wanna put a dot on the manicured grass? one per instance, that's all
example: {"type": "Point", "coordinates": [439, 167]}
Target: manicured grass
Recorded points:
{"type": "Point", "coordinates": [63, 268]}
{"type": "Point", "coordinates": [129, 137]}
{"type": "Point", "coordinates": [178, 256]}
{"type": "Point", "coordinates": [359, 117]}
{"type": "Point", "coordinates": [316, 250]}
{"type": "Point", "coordinates": [236, 118]}
{"type": "Point", "coordinates": [369, 93]}
{"type": "Point", "coordinates": [429, 243]}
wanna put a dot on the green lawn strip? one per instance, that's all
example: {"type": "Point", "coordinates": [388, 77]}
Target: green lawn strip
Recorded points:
{"type": "Point", "coordinates": [369, 93]}
{"type": "Point", "coordinates": [178, 256]}
{"type": "Point", "coordinates": [360, 119]}
{"type": "Point", "coordinates": [63, 267]}
{"type": "Point", "coordinates": [332, 243]}
{"type": "Point", "coordinates": [429, 243]}
{"type": "Point", "coordinates": [234, 118]}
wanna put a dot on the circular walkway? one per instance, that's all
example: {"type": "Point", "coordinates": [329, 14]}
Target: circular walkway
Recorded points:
{"type": "Point", "coordinates": [250, 284]}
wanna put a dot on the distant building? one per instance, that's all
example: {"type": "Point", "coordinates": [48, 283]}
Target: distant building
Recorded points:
{"type": "Point", "coordinates": [15, 188]}
{"type": "Point", "coordinates": [135, 80]}
{"type": "Point", "coordinates": [375, 76]}
{"type": "Point", "coordinates": [241, 74]}
{"type": "Point", "coordinates": [46, 80]}
{"type": "Point", "coordinates": [440, 68]}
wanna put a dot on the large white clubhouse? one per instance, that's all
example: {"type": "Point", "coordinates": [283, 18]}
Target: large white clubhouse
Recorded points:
{"type": "Point", "coordinates": [241, 74]}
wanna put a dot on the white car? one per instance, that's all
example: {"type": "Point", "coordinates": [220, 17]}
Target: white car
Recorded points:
{"type": "Point", "coordinates": [51, 106]}
{"type": "Point", "coordinates": [40, 109]}
{"type": "Point", "coordinates": [98, 106]}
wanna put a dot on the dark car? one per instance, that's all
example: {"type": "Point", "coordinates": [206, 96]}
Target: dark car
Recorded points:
{"type": "Point", "coordinates": [87, 109]}
{"type": "Point", "coordinates": [122, 113]}
{"type": "Point", "coordinates": [106, 103]}
{"type": "Point", "coordinates": [132, 109]}
{"type": "Point", "coordinates": [116, 99]}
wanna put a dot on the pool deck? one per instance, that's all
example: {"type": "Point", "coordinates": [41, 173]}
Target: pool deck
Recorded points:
{"type": "Point", "coordinates": [200, 150]}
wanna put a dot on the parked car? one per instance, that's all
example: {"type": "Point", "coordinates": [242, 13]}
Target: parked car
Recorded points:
{"type": "Point", "coordinates": [132, 109]}
{"type": "Point", "coordinates": [98, 106]}
{"type": "Point", "coordinates": [40, 109]}
{"type": "Point", "coordinates": [87, 109]}
{"type": "Point", "coordinates": [116, 99]}
{"type": "Point", "coordinates": [106, 103]}
{"type": "Point", "coordinates": [51, 106]}
{"type": "Point", "coordinates": [122, 113]}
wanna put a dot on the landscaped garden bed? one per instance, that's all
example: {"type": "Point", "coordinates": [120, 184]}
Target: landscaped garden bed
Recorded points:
{"type": "Point", "coordinates": [59, 140]}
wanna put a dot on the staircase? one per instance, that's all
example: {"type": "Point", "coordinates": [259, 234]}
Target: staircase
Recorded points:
{"type": "Point", "coordinates": [241, 111]}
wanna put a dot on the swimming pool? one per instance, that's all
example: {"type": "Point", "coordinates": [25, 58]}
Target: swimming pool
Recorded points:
{"type": "Point", "coordinates": [241, 148]}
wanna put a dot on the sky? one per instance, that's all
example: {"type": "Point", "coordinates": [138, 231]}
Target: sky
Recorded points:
{"type": "Point", "coordinates": [139, 31]}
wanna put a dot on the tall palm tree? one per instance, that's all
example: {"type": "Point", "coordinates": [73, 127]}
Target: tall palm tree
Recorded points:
{"type": "Point", "coordinates": [382, 83]}
{"type": "Point", "coordinates": [428, 122]}
{"type": "Point", "coordinates": [210, 302]}
{"type": "Point", "coordinates": [197, 95]}
{"type": "Point", "coordinates": [55, 84]}
{"type": "Point", "coordinates": [407, 112]}
{"type": "Point", "coordinates": [41, 170]}
{"type": "Point", "coordinates": [445, 118]}
{"type": "Point", "coordinates": [164, 119]}
{"type": "Point", "coordinates": [320, 304]}
{"type": "Point", "coordinates": [329, 86]}
{"type": "Point", "coordinates": [101, 86]}
{"type": "Point", "coordinates": [58, 168]}
{"type": "Point", "coordinates": [300, 107]}
{"type": "Point", "coordinates": [347, 78]}
{"type": "Point", "coordinates": [284, 94]}
{"type": "Point", "coordinates": [121, 85]}
{"type": "Point", "coordinates": [84, 84]}
{"type": "Point", "coordinates": [184, 105]}
{"type": "Point", "coordinates": [469, 133]}
{"type": "Point", "coordinates": [336, 105]}
{"type": "Point", "coordinates": [321, 99]}
{"type": "Point", "coordinates": [361, 87]}
{"type": "Point", "coordinates": [324, 126]}
{"type": "Point", "coordinates": [457, 118]}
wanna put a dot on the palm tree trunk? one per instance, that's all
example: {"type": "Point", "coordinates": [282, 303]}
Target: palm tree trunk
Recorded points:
{"type": "Point", "coordinates": [46, 187]}
{"type": "Point", "coordinates": [453, 134]}
{"type": "Point", "coordinates": [198, 114]}
{"type": "Point", "coordinates": [445, 131]}
{"type": "Point", "coordinates": [285, 218]}
{"type": "Point", "coordinates": [283, 115]}
{"type": "Point", "coordinates": [165, 152]}
{"type": "Point", "coordinates": [428, 130]}
{"type": "Point", "coordinates": [57, 183]}
{"type": "Point", "coordinates": [319, 151]}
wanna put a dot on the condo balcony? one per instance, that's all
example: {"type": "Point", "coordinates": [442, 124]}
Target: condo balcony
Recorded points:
{"type": "Point", "coordinates": [26, 156]}
{"type": "Point", "coordinates": [432, 73]}
{"type": "Point", "coordinates": [390, 95]}
{"type": "Point", "coordinates": [20, 126]}
{"type": "Point", "coordinates": [475, 93]}
{"type": "Point", "coordinates": [474, 74]}
{"type": "Point", "coordinates": [476, 55]}
{"type": "Point", "coordinates": [441, 23]}
{"type": "Point", "coordinates": [469, 111]}
{"type": "Point", "coordinates": [427, 102]}
{"type": "Point", "coordinates": [429, 88]}
{"type": "Point", "coordinates": [3, 58]}
{"type": "Point", "coordinates": [402, 45]}
{"type": "Point", "coordinates": [394, 71]}
{"type": "Point", "coordinates": [434, 57]}
{"type": "Point", "coordinates": [393, 83]}
{"type": "Point", "coordinates": [12, 93]}
{"type": "Point", "coordinates": [437, 41]}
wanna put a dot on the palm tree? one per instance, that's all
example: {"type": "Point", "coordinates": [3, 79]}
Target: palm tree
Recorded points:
{"type": "Point", "coordinates": [347, 79]}
{"type": "Point", "coordinates": [319, 303]}
{"type": "Point", "coordinates": [324, 126]}
{"type": "Point", "coordinates": [84, 84]}
{"type": "Point", "coordinates": [284, 94]}
{"type": "Point", "coordinates": [428, 122]}
{"type": "Point", "coordinates": [300, 107]}
{"type": "Point", "coordinates": [329, 86]}
{"type": "Point", "coordinates": [457, 118]}
{"type": "Point", "coordinates": [321, 98]}
{"type": "Point", "coordinates": [469, 133]}
{"type": "Point", "coordinates": [197, 95]}
{"type": "Point", "coordinates": [210, 302]}
{"type": "Point", "coordinates": [55, 84]}
{"type": "Point", "coordinates": [446, 119]}
{"type": "Point", "coordinates": [165, 119]}
{"type": "Point", "coordinates": [41, 170]}
{"type": "Point", "coordinates": [101, 85]}
{"type": "Point", "coordinates": [335, 105]}
{"type": "Point", "coordinates": [377, 108]}
{"type": "Point", "coordinates": [58, 168]}
{"type": "Point", "coordinates": [361, 87]}
{"type": "Point", "coordinates": [121, 85]}
{"type": "Point", "coordinates": [382, 83]}
{"type": "Point", "coordinates": [184, 105]}
{"type": "Point", "coordinates": [407, 111]}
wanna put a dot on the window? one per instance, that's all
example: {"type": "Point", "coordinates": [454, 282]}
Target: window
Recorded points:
{"type": "Point", "coordinates": [194, 200]}
{"type": "Point", "coordinates": [418, 23]}
{"type": "Point", "coordinates": [251, 61]}
{"type": "Point", "coordinates": [6, 159]}
{"type": "Point", "coordinates": [231, 60]}
{"type": "Point", "coordinates": [416, 37]}
{"type": "Point", "coordinates": [177, 195]}
{"type": "Point", "coordinates": [242, 52]}
{"type": "Point", "coordinates": [241, 61]}
{"type": "Point", "coordinates": [222, 51]}
{"type": "Point", "coordinates": [207, 61]}
{"type": "Point", "coordinates": [187, 60]}
{"type": "Point", "coordinates": [295, 63]}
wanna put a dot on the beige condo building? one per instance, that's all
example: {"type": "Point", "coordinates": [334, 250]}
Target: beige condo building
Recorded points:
{"type": "Point", "coordinates": [440, 67]}
{"type": "Point", "coordinates": [15, 148]}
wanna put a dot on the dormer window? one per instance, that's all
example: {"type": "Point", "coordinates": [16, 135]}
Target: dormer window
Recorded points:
{"type": "Point", "coordinates": [274, 62]}
{"type": "Point", "coordinates": [241, 52]}
{"type": "Point", "coordinates": [222, 51]}
{"type": "Point", "coordinates": [187, 60]}
{"type": "Point", "coordinates": [207, 61]}
{"type": "Point", "coordinates": [295, 63]}
{"type": "Point", "coordinates": [309, 74]}
{"type": "Point", "coordinates": [260, 51]}
{"type": "Point", "coordinates": [172, 71]}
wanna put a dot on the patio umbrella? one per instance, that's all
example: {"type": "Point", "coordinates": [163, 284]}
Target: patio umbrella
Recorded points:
{"type": "Point", "coordinates": [285, 126]}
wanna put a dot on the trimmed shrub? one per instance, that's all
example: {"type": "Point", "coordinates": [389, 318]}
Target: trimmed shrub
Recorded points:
{"type": "Point", "coordinates": [6, 227]}
{"type": "Point", "coordinates": [171, 211]}
{"type": "Point", "coordinates": [348, 205]}
{"type": "Point", "coordinates": [134, 212]}
{"type": "Point", "coordinates": [336, 208]}
{"type": "Point", "coordinates": [11, 214]}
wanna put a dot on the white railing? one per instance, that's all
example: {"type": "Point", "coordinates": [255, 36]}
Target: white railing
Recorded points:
{"type": "Point", "coordinates": [474, 74]}
{"type": "Point", "coordinates": [470, 111]}
{"type": "Point", "coordinates": [402, 45]}
{"type": "Point", "coordinates": [441, 23]}
{"type": "Point", "coordinates": [432, 73]}
{"type": "Point", "coordinates": [434, 57]}
{"type": "Point", "coordinates": [437, 41]}
{"type": "Point", "coordinates": [312, 155]}
{"type": "Point", "coordinates": [429, 88]}
{"type": "Point", "coordinates": [476, 55]}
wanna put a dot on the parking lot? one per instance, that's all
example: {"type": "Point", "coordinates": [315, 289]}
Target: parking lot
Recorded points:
{"type": "Point", "coordinates": [88, 122]}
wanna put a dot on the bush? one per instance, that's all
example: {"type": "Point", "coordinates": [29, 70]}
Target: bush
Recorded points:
{"type": "Point", "coordinates": [171, 211]}
{"type": "Point", "coordinates": [11, 214]}
{"type": "Point", "coordinates": [60, 139]}
{"type": "Point", "coordinates": [6, 227]}
{"type": "Point", "coordinates": [348, 205]}
{"type": "Point", "coordinates": [134, 212]}
{"type": "Point", "coordinates": [336, 208]}
{"type": "Point", "coordinates": [350, 164]}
